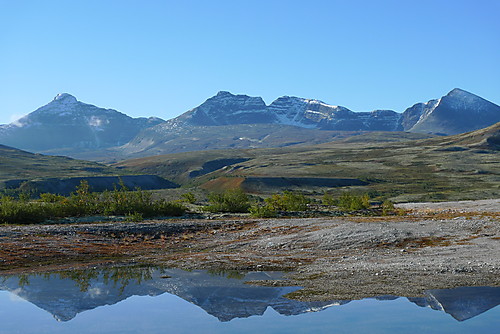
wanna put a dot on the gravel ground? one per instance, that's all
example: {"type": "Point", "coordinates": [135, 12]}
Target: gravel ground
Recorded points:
{"type": "Point", "coordinates": [455, 244]}
{"type": "Point", "coordinates": [488, 205]}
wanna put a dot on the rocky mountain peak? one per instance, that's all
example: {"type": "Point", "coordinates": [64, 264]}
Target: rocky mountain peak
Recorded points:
{"type": "Point", "coordinates": [224, 93]}
{"type": "Point", "coordinates": [459, 92]}
{"type": "Point", "coordinates": [65, 98]}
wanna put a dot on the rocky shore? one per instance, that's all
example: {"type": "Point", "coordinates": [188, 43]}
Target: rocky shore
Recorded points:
{"type": "Point", "coordinates": [448, 245]}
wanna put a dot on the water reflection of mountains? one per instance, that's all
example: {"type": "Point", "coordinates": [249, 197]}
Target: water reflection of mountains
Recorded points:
{"type": "Point", "coordinates": [224, 295]}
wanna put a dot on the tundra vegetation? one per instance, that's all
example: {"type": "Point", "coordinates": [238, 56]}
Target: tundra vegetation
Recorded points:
{"type": "Point", "coordinates": [288, 202]}
{"type": "Point", "coordinates": [138, 205]}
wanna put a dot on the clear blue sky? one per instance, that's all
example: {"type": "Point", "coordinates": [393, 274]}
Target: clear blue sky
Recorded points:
{"type": "Point", "coordinates": [162, 58]}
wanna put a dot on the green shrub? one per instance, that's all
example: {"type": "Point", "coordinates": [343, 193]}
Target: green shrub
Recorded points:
{"type": "Point", "coordinates": [135, 217]}
{"type": "Point", "coordinates": [228, 201]}
{"type": "Point", "coordinates": [351, 202]}
{"type": "Point", "coordinates": [84, 203]}
{"type": "Point", "coordinates": [51, 198]}
{"type": "Point", "coordinates": [265, 211]}
{"type": "Point", "coordinates": [388, 207]}
{"type": "Point", "coordinates": [288, 201]}
{"type": "Point", "coordinates": [188, 198]}
{"type": "Point", "coordinates": [328, 199]}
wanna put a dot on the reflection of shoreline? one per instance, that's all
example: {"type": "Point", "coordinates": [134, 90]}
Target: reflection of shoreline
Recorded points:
{"type": "Point", "coordinates": [223, 295]}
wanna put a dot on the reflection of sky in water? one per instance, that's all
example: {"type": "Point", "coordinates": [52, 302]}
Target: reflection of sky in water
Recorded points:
{"type": "Point", "coordinates": [167, 312]}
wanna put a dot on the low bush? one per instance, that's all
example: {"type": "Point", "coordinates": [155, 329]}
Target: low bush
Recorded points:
{"type": "Point", "coordinates": [288, 201]}
{"type": "Point", "coordinates": [85, 203]}
{"type": "Point", "coordinates": [228, 201]}
{"type": "Point", "coordinates": [388, 208]}
{"type": "Point", "coordinates": [265, 211]}
{"type": "Point", "coordinates": [188, 198]}
{"type": "Point", "coordinates": [351, 202]}
{"type": "Point", "coordinates": [328, 199]}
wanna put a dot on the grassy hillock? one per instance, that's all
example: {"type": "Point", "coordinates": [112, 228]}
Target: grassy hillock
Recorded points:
{"type": "Point", "coordinates": [21, 171]}
{"type": "Point", "coordinates": [18, 164]}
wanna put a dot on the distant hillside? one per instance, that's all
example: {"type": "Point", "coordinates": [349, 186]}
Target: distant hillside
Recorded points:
{"type": "Point", "coordinates": [41, 173]}
{"type": "Point", "coordinates": [441, 168]}
{"type": "Point", "coordinates": [239, 136]}
{"type": "Point", "coordinates": [18, 164]}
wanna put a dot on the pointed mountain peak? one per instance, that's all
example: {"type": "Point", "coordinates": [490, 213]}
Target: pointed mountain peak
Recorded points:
{"type": "Point", "coordinates": [465, 96]}
{"type": "Point", "coordinates": [65, 97]}
{"type": "Point", "coordinates": [457, 92]}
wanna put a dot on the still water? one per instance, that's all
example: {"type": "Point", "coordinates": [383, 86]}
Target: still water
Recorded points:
{"type": "Point", "coordinates": [158, 300]}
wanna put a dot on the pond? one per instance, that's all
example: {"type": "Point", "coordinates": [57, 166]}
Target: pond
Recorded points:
{"type": "Point", "coordinates": [160, 300]}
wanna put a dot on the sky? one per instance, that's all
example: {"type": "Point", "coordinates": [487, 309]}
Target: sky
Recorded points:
{"type": "Point", "coordinates": [162, 58]}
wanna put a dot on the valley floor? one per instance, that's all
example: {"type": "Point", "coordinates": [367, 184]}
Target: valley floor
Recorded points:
{"type": "Point", "coordinates": [436, 246]}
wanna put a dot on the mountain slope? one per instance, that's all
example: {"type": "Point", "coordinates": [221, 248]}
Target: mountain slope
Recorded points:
{"type": "Point", "coordinates": [156, 140]}
{"type": "Point", "coordinates": [66, 123]}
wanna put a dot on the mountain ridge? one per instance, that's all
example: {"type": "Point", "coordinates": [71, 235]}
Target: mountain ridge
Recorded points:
{"type": "Point", "coordinates": [70, 127]}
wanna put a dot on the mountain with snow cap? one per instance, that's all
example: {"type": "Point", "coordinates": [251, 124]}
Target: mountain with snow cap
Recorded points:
{"type": "Point", "coordinates": [66, 124]}
{"type": "Point", "coordinates": [457, 112]}
{"type": "Point", "coordinates": [228, 109]}
{"type": "Point", "coordinates": [240, 121]}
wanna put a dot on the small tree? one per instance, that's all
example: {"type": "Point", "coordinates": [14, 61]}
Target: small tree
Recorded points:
{"type": "Point", "coordinates": [387, 207]}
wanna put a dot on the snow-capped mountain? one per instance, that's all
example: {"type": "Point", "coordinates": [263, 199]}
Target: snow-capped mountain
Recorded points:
{"type": "Point", "coordinates": [461, 303]}
{"type": "Point", "coordinates": [223, 109]}
{"type": "Point", "coordinates": [66, 123]}
{"type": "Point", "coordinates": [228, 109]}
{"type": "Point", "coordinates": [459, 111]}
{"type": "Point", "coordinates": [240, 121]}
{"type": "Point", "coordinates": [69, 127]}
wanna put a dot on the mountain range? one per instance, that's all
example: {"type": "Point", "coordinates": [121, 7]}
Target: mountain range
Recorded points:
{"type": "Point", "coordinates": [69, 127]}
